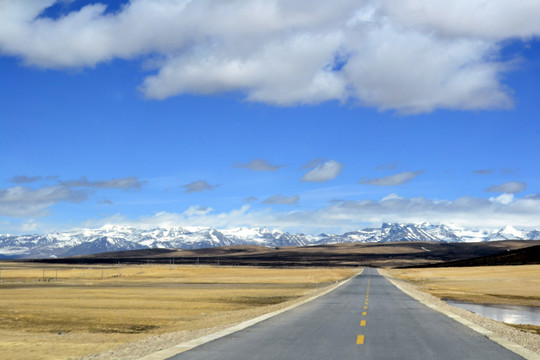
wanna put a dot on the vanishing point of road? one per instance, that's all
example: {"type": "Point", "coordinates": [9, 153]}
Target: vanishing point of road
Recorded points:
{"type": "Point", "coordinates": [367, 318]}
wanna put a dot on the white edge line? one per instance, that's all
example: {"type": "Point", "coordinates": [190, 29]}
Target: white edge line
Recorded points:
{"type": "Point", "coordinates": [516, 348]}
{"type": "Point", "coordinates": [188, 345]}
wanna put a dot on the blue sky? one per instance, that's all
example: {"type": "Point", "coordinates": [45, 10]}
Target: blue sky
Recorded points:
{"type": "Point", "coordinates": [311, 117]}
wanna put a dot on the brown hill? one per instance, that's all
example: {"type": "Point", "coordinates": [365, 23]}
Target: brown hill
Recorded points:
{"type": "Point", "coordinates": [525, 256]}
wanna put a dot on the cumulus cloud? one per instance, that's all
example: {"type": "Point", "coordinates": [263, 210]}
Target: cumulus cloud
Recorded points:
{"type": "Point", "coordinates": [324, 172]}
{"type": "Point", "coordinates": [20, 201]}
{"type": "Point", "coordinates": [258, 165]}
{"type": "Point", "coordinates": [511, 187]}
{"type": "Point", "coordinates": [392, 180]}
{"type": "Point", "coordinates": [127, 183]}
{"type": "Point", "coordinates": [411, 56]}
{"type": "Point", "coordinates": [198, 186]}
{"type": "Point", "coordinates": [283, 200]}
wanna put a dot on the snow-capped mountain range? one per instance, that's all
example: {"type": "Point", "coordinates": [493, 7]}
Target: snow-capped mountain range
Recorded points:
{"type": "Point", "coordinates": [119, 238]}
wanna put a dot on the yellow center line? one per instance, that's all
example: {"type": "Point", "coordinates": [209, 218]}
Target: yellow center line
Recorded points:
{"type": "Point", "coordinates": [360, 338]}
{"type": "Point", "coordinates": [367, 291]}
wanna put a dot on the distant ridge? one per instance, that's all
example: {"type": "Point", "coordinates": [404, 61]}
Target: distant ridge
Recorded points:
{"type": "Point", "coordinates": [525, 256]}
{"type": "Point", "coordinates": [112, 238]}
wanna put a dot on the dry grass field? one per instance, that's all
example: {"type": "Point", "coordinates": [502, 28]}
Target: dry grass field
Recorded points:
{"type": "Point", "coordinates": [68, 311]}
{"type": "Point", "coordinates": [518, 285]}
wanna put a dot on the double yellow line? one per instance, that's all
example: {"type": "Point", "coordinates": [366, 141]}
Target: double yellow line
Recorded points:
{"type": "Point", "coordinates": [360, 338]}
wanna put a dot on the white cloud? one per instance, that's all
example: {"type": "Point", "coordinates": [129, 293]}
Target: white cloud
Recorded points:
{"type": "Point", "coordinates": [392, 196]}
{"type": "Point", "coordinates": [503, 199]}
{"type": "Point", "coordinates": [511, 187]}
{"type": "Point", "coordinates": [494, 20]}
{"type": "Point", "coordinates": [412, 56]}
{"type": "Point", "coordinates": [324, 172]}
{"type": "Point", "coordinates": [392, 180]}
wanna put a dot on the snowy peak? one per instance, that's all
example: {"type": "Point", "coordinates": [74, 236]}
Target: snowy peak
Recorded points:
{"type": "Point", "coordinates": [507, 233]}
{"type": "Point", "coordinates": [118, 238]}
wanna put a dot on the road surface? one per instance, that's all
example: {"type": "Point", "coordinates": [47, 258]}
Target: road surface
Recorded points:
{"type": "Point", "coordinates": [367, 318]}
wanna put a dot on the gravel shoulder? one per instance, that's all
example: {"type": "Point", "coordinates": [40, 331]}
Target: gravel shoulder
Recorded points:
{"type": "Point", "coordinates": [520, 342]}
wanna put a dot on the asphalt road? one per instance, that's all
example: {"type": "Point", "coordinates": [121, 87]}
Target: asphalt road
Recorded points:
{"type": "Point", "coordinates": [367, 318]}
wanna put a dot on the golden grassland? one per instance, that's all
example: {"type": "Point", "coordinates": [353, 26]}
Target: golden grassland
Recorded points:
{"type": "Point", "coordinates": [518, 285]}
{"type": "Point", "coordinates": [66, 311]}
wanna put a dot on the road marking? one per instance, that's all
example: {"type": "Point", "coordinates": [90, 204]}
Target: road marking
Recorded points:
{"type": "Point", "coordinates": [364, 313]}
{"type": "Point", "coordinates": [365, 307]}
{"type": "Point", "coordinates": [360, 340]}
{"type": "Point", "coordinates": [363, 323]}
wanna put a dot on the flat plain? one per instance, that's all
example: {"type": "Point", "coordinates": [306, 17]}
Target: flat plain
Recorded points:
{"type": "Point", "coordinates": [69, 311]}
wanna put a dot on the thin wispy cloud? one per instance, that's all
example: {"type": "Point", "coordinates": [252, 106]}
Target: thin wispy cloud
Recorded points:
{"type": "Point", "coordinates": [483, 171]}
{"type": "Point", "coordinates": [312, 164]}
{"type": "Point", "coordinates": [285, 54]}
{"type": "Point", "coordinates": [198, 186]}
{"type": "Point", "coordinates": [511, 187]}
{"type": "Point", "coordinates": [20, 201]}
{"type": "Point", "coordinates": [392, 180]}
{"type": "Point", "coordinates": [389, 166]}
{"type": "Point", "coordinates": [282, 200]}
{"type": "Point", "coordinates": [324, 172]}
{"type": "Point", "coordinates": [258, 165]}
{"type": "Point", "coordinates": [509, 171]}
{"type": "Point", "coordinates": [24, 179]}
{"type": "Point", "coordinates": [128, 183]}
